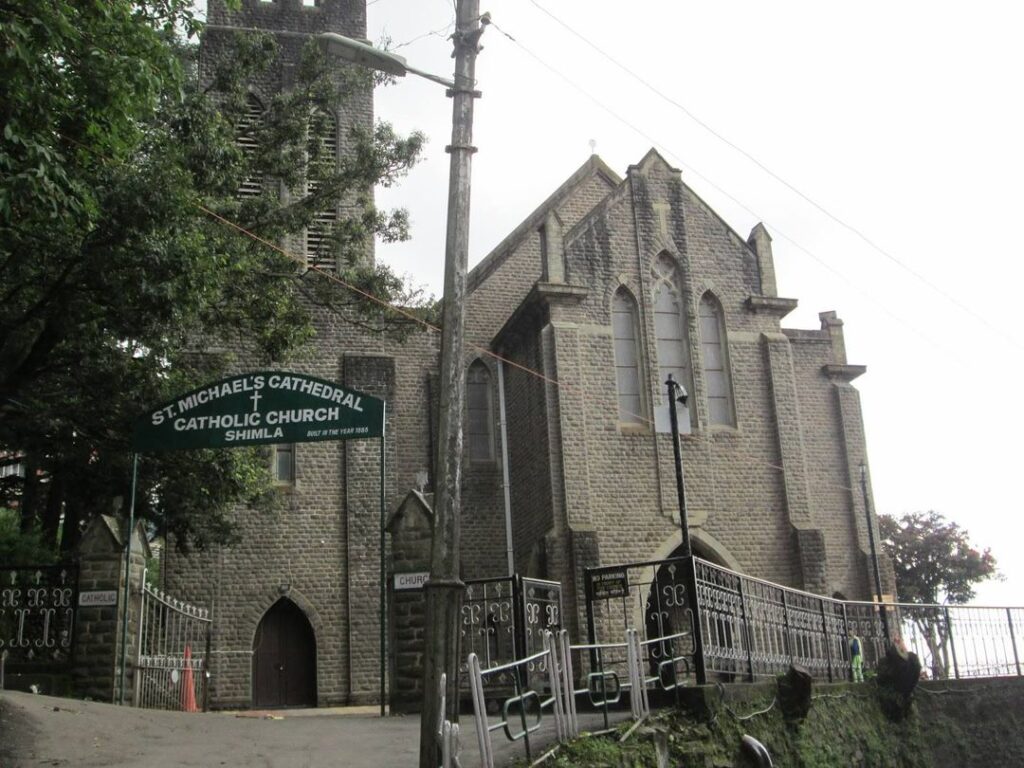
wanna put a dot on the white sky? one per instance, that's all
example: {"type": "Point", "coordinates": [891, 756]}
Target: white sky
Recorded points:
{"type": "Point", "coordinates": [905, 120]}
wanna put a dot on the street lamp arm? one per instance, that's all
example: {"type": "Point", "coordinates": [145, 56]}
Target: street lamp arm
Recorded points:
{"type": "Point", "coordinates": [433, 78]}
{"type": "Point", "coordinates": [365, 55]}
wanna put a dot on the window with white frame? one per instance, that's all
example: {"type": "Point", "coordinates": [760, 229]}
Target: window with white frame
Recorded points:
{"type": "Point", "coordinates": [627, 357]}
{"type": "Point", "coordinates": [716, 361]}
{"type": "Point", "coordinates": [479, 413]}
{"type": "Point", "coordinates": [282, 466]}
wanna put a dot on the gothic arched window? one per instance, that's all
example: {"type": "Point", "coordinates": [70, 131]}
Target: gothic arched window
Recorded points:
{"type": "Point", "coordinates": [479, 413]}
{"type": "Point", "coordinates": [670, 337]}
{"type": "Point", "coordinates": [716, 361]}
{"type": "Point", "coordinates": [627, 357]}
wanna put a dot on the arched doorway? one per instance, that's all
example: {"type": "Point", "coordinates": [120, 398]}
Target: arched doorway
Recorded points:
{"type": "Point", "coordinates": [284, 658]}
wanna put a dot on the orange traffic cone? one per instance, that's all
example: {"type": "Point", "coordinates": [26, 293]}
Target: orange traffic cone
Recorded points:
{"type": "Point", "coordinates": [188, 691]}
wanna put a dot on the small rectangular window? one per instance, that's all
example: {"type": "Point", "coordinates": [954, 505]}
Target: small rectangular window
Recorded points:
{"type": "Point", "coordinates": [283, 463]}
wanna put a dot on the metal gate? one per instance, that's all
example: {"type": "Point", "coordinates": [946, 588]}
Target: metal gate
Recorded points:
{"type": "Point", "coordinates": [650, 598]}
{"type": "Point", "coordinates": [171, 669]}
{"type": "Point", "coordinates": [504, 619]}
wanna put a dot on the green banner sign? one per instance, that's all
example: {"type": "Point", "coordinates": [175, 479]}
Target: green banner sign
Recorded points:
{"type": "Point", "coordinates": [260, 408]}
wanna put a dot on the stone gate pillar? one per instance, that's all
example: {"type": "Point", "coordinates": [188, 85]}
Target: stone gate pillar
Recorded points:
{"type": "Point", "coordinates": [97, 635]}
{"type": "Point", "coordinates": [410, 528]}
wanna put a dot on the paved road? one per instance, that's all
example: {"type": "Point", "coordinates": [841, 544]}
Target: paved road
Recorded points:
{"type": "Point", "coordinates": [48, 731]}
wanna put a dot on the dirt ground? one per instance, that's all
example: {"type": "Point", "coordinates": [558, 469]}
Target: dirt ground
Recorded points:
{"type": "Point", "coordinates": [48, 731]}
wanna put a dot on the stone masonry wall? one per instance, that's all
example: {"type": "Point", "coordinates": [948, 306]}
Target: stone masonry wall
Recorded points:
{"type": "Point", "coordinates": [756, 499]}
{"type": "Point", "coordinates": [770, 495]}
{"type": "Point", "coordinates": [320, 549]}
{"type": "Point", "coordinates": [97, 657]}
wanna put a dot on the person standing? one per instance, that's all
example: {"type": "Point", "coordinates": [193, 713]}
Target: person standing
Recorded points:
{"type": "Point", "coordinates": [857, 658]}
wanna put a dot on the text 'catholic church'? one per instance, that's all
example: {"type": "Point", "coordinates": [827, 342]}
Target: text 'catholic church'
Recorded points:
{"type": "Point", "coordinates": [611, 284]}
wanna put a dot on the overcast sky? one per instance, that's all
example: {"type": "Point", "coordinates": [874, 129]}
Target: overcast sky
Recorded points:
{"type": "Point", "coordinates": [902, 120]}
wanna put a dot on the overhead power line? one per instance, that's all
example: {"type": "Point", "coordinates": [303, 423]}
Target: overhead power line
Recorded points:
{"type": "Point", "coordinates": [721, 190]}
{"type": "Point", "coordinates": [781, 180]}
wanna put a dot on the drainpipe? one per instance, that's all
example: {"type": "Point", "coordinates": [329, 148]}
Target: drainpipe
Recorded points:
{"type": "Point", "coordinates": [504, 469]}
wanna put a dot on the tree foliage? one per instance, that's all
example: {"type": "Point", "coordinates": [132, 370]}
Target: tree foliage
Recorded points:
{"type": "Point", "coordinates": [934, 559]}
{"type": "Point", "coordinates": [116, 282]}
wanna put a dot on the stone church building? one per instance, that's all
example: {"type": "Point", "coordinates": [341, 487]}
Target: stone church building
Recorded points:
{"type": "Point", "coordinates": [612, 283]}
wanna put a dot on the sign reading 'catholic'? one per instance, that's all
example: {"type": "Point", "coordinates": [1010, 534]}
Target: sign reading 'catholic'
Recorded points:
{"type": "Point", "coordinates": [257, 409]}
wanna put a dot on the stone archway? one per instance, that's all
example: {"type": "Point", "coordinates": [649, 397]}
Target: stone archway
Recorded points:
{"type": "Point", "coordinates": [284, 658]}
{"type": "Point", "coordinates": [666, 607]}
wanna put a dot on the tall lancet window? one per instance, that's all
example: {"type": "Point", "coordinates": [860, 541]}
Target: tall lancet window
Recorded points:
{"type": "Point", "coordinates": [716, 361]}
{"type": "Point", "coordinates": [246, 138]}
{"type": "Point", "coordinates": [479, 413]}
{"type": "Point", "coordinates": [627, 357]}
{"type": "Point", "coordinates": [671, 341]}
{"type": "Point", "coordinates": [323, 159]}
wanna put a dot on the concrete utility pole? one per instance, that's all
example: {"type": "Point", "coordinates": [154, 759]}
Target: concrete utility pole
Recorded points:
{"type": "Point", "coordinates": [445, 591]}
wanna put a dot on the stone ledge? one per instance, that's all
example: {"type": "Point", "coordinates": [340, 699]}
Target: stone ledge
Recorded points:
{"type": "Point", "coordinates": [771, 305]}
{"type": "Point", "coordinates": [847, 373]}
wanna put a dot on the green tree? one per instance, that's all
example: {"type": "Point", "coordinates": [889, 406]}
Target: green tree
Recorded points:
{"type": "Point", "coordinates": [935, 564]}
{"type": "Point", "coordinates": [116, 280]}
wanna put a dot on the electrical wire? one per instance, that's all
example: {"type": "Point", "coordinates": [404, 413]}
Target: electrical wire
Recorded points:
{"type": "Point", "coordinates": [407, 314]}
{"type": "Point", "coordinates": [441, 32]}
{"type": "Point", "coordinates": [559, 383]}
{"type": "Point", "coordinates": [788, 185]}
{"type": "Point", "coordinates": [721, 190]}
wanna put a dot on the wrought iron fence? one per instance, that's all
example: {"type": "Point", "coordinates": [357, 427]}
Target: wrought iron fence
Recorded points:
{"type": "Point", "coordinates": [174, 646]}
{"type": "Point", "coordinates": [752, 628]}
{"type": "Point", "coordinates": [748, 628]}
{"type": "Point", "coordinates": [952, 641]}
{"type": "Point", "coordinates": [504, 620]}
{"type": "Point", "coordinates": [37, 615]}
{"type": "Point", "coordinates": [649, 597]}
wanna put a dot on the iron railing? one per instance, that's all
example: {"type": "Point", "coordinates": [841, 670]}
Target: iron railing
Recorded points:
{"type": "Point", "coordinates": [752, 628]}
{"type": "Point", "coordinates": [749, 628]}
{"type": "Point", "coordinates": [643, 638]}
{"type": "Point", "coordinates": [504, 619]}
{"type": "Point", "coordinates": [37, 616]}
{"type": "Point", "coordinates": [648, 597]}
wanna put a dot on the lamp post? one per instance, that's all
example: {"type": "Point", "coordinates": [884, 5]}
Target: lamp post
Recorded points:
{"type": "Point", "coordinates": [445, 591]}
{"type": "Point", "coordinates": [677, 393]}
{"type": "Point", "coordinates": [684, 524]}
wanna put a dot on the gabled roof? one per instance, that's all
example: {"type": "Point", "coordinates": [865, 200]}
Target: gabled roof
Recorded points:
{"type": "Point", "coordinates": [654, 156]}
{"type": "Point", "coordinates": [594, 166]}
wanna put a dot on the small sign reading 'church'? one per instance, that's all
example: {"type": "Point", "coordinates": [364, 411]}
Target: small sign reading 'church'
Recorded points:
{"type": "Point", "coordinates": [411, 580]}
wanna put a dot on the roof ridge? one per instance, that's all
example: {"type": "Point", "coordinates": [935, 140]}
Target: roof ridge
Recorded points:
{"type": "Point", "coordinates": [594, 166]}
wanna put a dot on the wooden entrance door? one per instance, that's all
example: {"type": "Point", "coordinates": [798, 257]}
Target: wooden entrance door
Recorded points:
{"type": "Point", "coordinates": [284, 658]}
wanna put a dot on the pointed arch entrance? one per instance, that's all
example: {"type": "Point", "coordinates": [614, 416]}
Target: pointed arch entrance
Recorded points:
{"type": "Point", "coordinates": [666, 610]}
{"type": "Point", "coordinates": [284, 658]}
